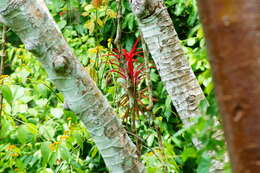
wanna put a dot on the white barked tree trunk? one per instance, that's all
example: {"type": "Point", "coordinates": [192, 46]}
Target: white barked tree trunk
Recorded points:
{"type": "Point", "coordinates": [164, 45]}
{"type": "Point", "coordinates": [32, 22]}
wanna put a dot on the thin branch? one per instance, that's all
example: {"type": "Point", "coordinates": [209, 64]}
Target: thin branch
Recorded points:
{"type": "Point", "coordinates": [119, 29]}
{"type": "Point", "coordinates": [147, 73]}
{"type": "Point", "coordinates": [2, 64]}
{"type": "Point", "coordinates": [3, 54]}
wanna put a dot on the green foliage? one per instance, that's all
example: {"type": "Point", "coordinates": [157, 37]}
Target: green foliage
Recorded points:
{"type": "Point", "coordinates": [38, 135]}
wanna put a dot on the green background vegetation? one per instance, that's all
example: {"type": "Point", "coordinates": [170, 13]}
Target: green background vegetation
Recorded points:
{"type": "Point", "coordinates": [38, 136]}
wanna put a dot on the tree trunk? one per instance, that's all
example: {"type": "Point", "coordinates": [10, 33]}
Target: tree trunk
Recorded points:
{"type": "Point", "coordinates": [32, 22]}
{"type": "Point", "coordinates": [233, 35]}
{"type": "Point", "coordinates": [164, 46]}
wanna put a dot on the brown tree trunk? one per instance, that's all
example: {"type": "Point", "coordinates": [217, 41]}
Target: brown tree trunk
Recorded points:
{"type": "Point", "coordinates": [233, 35]}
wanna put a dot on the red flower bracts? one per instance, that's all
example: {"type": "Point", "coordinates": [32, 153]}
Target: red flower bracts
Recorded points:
{"type": "Point", "coordinates": [125, 63]}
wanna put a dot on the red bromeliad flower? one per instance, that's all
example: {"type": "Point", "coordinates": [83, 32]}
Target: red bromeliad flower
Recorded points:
{"type": "Point", "coordinates": [125, 62]}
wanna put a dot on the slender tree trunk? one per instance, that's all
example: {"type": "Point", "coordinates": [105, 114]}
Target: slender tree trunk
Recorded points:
{"type": "Point", "coordinates": [32, 22]}
{"type": "Point", "coordinates": [164, 46]}
{"type": "Point", "coordinates": [233, 35]}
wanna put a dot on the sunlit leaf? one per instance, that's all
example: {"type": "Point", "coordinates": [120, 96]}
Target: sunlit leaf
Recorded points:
{"type": "Point", "coordinates": [90, 25]}
{"type": "Point", "coordinates": [7, 93]}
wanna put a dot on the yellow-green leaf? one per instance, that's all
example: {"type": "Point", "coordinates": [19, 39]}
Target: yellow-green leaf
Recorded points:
{"type": "Point", "coordinates": [99, 21]}
{"type": "Point", "coordinates": [111, 13]}
{"type": "Point", "coordinates": [90, 25]}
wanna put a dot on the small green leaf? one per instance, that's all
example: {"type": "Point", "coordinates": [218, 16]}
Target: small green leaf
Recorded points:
{"type": "Point", "coordinates": [176, 141]}
{"type": "Point", "coordinates": [150, 140]}
{"type": "Point", "coordinates": [191, 41]}
{"type": "Point", "coordinates": [90, 25]}
{"type": "Point", "coordinates": [94, 152]}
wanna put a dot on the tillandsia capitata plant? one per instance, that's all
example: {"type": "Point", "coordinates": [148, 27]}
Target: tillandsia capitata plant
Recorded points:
{"type": "Point", "coordinates": [125, 62]}
{"type": "Point", "coordinates": [129, 68]}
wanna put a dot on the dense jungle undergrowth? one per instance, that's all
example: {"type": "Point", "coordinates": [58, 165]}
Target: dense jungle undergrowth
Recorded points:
{"type": "Point", "coordinates": [37, 135]}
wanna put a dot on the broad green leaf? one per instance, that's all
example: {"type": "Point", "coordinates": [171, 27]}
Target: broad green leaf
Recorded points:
{"type": "Point", "coordinates": [204, 164]}
{"type": "Point", "coordinates": [19, 163]}
{"type": "Point", "coordinates": [24, 135]}
{"type": "Point", "coordinates": [7, 94]}
{"type": "Point", "coordinates": [46, 152]}
{"type": "Point", "coordinates": [53, 158]}
{"type": "Point", "coordinates": [65, 153]}
{"type": "Point", "coordinates": [6, 128]}
{"type": "Point", "coordinates": [130, 21]}
{"type": "Point", "coordinates": [32, 128]}
{"type": "Point", "coordinates": [47, 131]}
{"type": "Point", "coordinates": [187, 153]}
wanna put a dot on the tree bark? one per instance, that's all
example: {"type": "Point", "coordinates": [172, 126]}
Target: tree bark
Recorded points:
{"type": "Point", "coordinates": [32, 22]}
{"type": "Point", "coordinates": [232, 31]}
{"type": "Point", "coordinates": [164, 46]}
